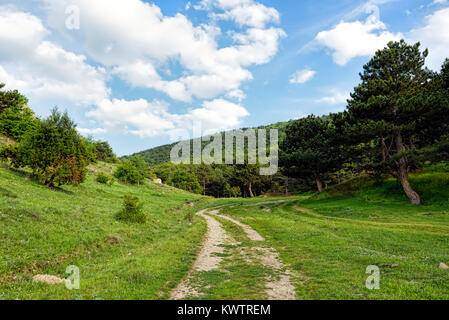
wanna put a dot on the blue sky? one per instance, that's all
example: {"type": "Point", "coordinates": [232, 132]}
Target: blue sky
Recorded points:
{"type": "Point", "coordinates": [140, 73]}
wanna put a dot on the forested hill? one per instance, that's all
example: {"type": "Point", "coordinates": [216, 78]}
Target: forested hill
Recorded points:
{"type": "Point", "coordinates": [161, 154]}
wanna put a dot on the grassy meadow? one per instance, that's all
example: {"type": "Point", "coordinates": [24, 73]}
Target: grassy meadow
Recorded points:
{"type": "Point", "coordinates": [43, 231]}
{"type": "Point", "coordinates": [327, 241]}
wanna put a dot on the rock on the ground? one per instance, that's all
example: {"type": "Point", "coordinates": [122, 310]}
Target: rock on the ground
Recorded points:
{"type": "Point", "coordinates": [48, 279]}
{"type": "Point", "coordinates": [444, 266]}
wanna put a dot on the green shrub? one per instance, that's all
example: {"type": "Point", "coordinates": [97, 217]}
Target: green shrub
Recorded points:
{"type": "Point", "coordinates": [132, 210]}
{"type": "Point", "coordinates": [16, 119]}
{"type": "Point", "coordinates": [55, 151]}
{"type": "Point", "coordinates": [142, 167]}
{"type": "Point", "coordinates": [102, 178]}
{"type": "Point", "coordinates": [127, 173]}
{"type": "Point", "coordinates": [186, 181]}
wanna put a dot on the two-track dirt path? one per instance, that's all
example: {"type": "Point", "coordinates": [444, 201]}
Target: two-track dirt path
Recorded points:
{"type": "Point", "coordinates": [277, 287]}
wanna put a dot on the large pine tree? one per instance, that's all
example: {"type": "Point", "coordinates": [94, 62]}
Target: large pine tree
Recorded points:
{"type": "Point", "coordinates": [388, 108]}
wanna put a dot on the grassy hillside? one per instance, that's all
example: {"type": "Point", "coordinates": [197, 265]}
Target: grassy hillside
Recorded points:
{"type": "Point", "coordinates": [43, 231]}
{"type": "Point", "coordinates": [329, 241]}
{"type": "Point", "coordinates": [161, 154]}
{"type": "Point", "coordinates": [326, 241]}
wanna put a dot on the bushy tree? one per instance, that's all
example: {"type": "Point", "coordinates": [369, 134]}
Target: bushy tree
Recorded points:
{"type": "Point", "coordinates": [104, 152]}
{"type": "Point", "coordinates": [133, 170]}
{"type": "Point", "coordinates": [390, 106]}
{"type": "Point", "coordinates": [205, 175]}
{"type": "Point", "coordinates": [248, 177]}
{"type": "Point", "coordinates": [310, 150]}
{"type": "Point", "coordinates": [102, 178]}
{"type": "Point", "coordinates": [232, 192]}
{"type": "Point", "coordinates": [100, 151]}
{"type": "Point", "coordinates": [54, 151]}
{"type": "Point", "coordinates": [432, 104]}
{"type": "Point", "coordinates": [16, 118]}
{"type": "Point", "coordinates": [10, 99]}
{"type": "Point", "coordinates": [142, 167]}
{"type": "Point", "coordinates": [128, 173]}
{"type": "Point", "coordinates": [132, 210]}
{"type": "Point", "coordinates": [185, 180]}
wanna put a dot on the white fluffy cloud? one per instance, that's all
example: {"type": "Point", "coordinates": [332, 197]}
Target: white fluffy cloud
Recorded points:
{"type": "Point", "coordinates": [348, 40]}
{"type": "Point", "coordinates": [336, 97]}
{"type": "Point", "coordinates": [134, 41]}
{"type": "Point", "coordinates": [129, 34]}
{"type": "Point", "coordinates": [147, 119]}
{"type": "Point", "coordinates": [247, 13]}
{"type": "Point", "coordinates": [41, 68]}
{"type": "Point", "coordinates": [434, 35]}
{"type": "Point", "coordinates": [302, 76]}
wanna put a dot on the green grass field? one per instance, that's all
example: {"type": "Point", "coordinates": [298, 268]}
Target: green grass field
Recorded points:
{"type": "Point", "coordinates": [43, 231]}
{"type": "Point", "coordinates": [330, 240]}
{"type": "Point", "coordinates": [326, 241]}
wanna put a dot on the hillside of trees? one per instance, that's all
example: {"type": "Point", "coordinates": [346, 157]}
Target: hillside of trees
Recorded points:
{"type": "Point", "coordinates": [161, 154]}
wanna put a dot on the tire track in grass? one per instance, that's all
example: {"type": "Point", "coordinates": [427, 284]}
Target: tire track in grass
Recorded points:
{"type": "Point", "coordinates": [208, 259]}
{"type": "Point", "coordinates": [278, 287]}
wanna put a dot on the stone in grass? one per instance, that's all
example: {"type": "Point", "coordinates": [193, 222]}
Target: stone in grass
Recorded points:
{"type": "Point", "coordinates": [444, 266]}
{"type": "Point", "coordinates": [48, 279]}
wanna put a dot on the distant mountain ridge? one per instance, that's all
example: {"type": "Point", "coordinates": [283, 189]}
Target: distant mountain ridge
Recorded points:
{"type": "Point", "coordinates": [161, 154]}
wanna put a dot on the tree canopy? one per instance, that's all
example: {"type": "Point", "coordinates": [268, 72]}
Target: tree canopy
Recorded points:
{"type": "Point", "coordinates": [391, 106]}
{"type": "Point", "coordinates": [309, 150]}
{"type": "Point", "coordinates": [55, 151]}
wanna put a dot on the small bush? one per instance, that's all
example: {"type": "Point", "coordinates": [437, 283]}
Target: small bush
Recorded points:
{"type": "Point", "coordinates": [127, 173]}
{"type": "Point", "coordinates": [132, 210]}
{"type": "Point", "coordinates": [102, 178]}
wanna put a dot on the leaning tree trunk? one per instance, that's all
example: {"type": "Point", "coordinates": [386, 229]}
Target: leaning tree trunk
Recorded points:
{"type": "Point", "coordinates": [250, 189]}
{"type": "Point", "coordinates": [319, 184]}
{"type": "Point", "coordinates": [50, 182]}
{"type": "Point", "coordinates": [403, 174]}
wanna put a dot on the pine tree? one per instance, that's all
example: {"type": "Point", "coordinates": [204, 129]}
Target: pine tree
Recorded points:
{"type": "Point", "coordinates": [310, 150]}
{"type": "Point", "coordinates": [387, 108]}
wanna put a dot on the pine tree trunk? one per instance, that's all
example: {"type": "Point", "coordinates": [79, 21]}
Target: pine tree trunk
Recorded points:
{"type": "Point", "coordinates": [403, 174]}
{"type": "Point", "coordinates": [250, 189]}
{"type": "Point", "coordinates": [319, 184]}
